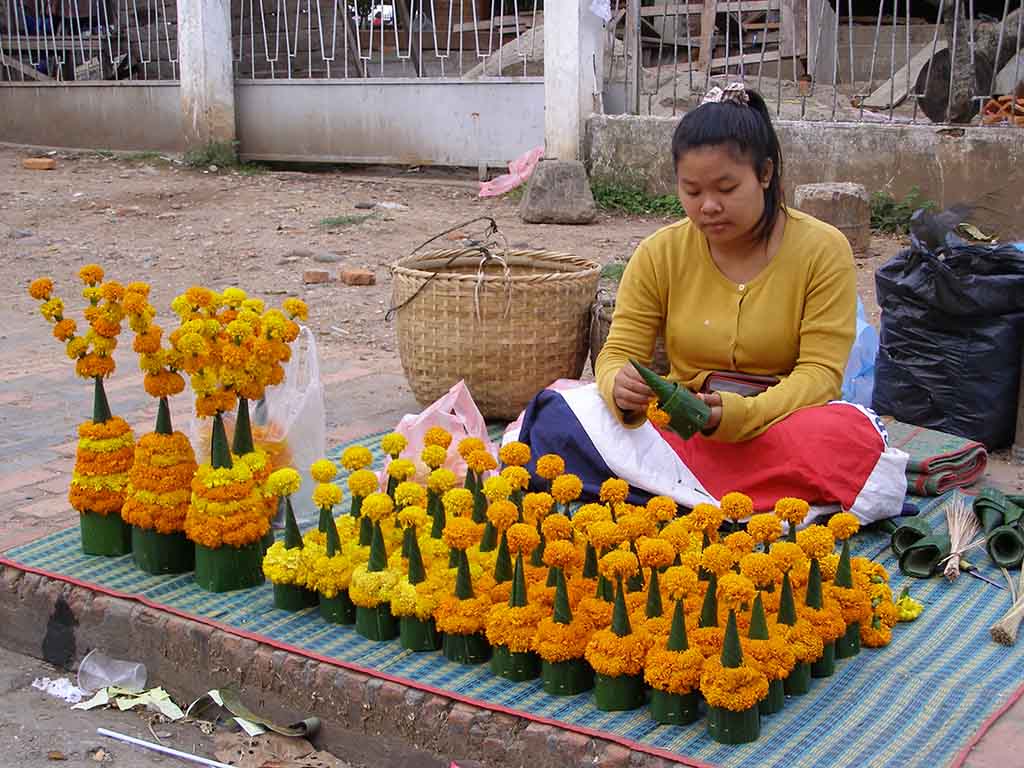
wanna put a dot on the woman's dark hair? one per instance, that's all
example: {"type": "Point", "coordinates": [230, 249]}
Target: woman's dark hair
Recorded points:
{"type": "Point", "coordinates": [747, 129]}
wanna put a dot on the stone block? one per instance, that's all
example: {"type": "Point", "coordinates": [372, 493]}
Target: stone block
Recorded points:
{"type": "Point", "coordinates": [39, 163]}
{"type": "Point", "coordinates": [844, 205]}
{"type": "Point", "coordinates": [316, 277]}
{"type": "Point", "coordinates": [355, 276]}
{"type": "Point", "coordinates": [558, 193]}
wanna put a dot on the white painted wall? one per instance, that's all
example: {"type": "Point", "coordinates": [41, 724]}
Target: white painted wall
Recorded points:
{"type": "Point", "coordinates": [205, 62]}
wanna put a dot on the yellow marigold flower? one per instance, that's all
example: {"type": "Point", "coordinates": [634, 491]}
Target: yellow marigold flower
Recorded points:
{"type": "Point", "coordinates": [481, 461]}
{"type": "Point", "coordinates": [636, 524]}
{"type": "Point", "coordinates": [283, 482]}
{"type": "Point", "coordinates": [413, 516]}
{"type": "Point", "coordinates": [356, 457]}
{"type": "Point", "coordinates": [556, 527]}
{"type": "Point", "coordinates": [843, 525]}
{"type": "Point", "coordinates": [816, 541]}
{"type": "Point", "coordinates": [786, 555]}
{"type": "Point", "coordinates": [619, 564]}
{"type": "Point", "coordinates": [197, 296]}
{"type": "Point", "coordinates": [706, 517]}
{"type": "Point", "coordinates": [736, 689]}
{"type": "Point", "coordinates": [614, 491]}
{"type": "Point", "coordinates": [737, 506]}
{"type": "Point", "coordinates": [77, 347]}
{"type": "Point", "coordinates": [326, 496]}
{"type": "Point", "coordinates": [765, 528]}
{"type": "Point", "coordinates": [566, 488]}
{"type": "Point", "coordinates": [655, 553]}
{"type": "Point", "coordinates": [233, 297]}
{"type": "Point", "coordinates": [550, 466]}
{"type": "Point", "coordinates": [740, 542]}
{"type": "Point", "coordinates": [64, 329]}
{"type": "Point", "coordinates": [828, 566]}
{"type": "Point", "coordinates": [792, 511]}
{"type": "Point", "coordinates": [496, 489]}
{"type": "Point", "coordinates": [614, 656]}
{"type": "Point", "coordinates": [362, 483]}
{"type": "Point", "coordinates": [52, 309]}
{"type": "Point", "coordinates": [718, 559]}
{"type": "Point", "coordinates": [458, 502]}
{"type": "Point", "coordinates": [296, 309]}
{"type": "Point", "coordinates": [735, 589]}
{"type": "Point", "coordinates": [560, 554]}
{"type": "Point", "coordinates": [502, 514]}
{"type": "Point", "coordinates": [438, 436]}
{"type": "Point", "coordinates": [440, 481]}
{"type": "Point", "coordinates": [461, 533]}
{"type": "Point", "coordinates": [377, 506]}
{"type": "Point", "coordinates": [656, 416]}
{"type": "Point", "coordinates": [605, 535]}
{"type": "Point", "coordinates": [514, 454]}
{"type": "Point", "coordinates": [522, 539]}
{"type": "Point", "coordinates": [679, 582]}
{"type": "Point", "coordinates": [536, 506]}
{"type": "Point", "coordinates": [112, 291]}
{"type": "Point", "coordinates": [393, 444]}
{"type": "Point", "coordinates": [401, 469]}
{"type": "Point", "coordinates": [470, 445]}
{"type": "Point", "coordinates": [410, 494]}
{"type": "Point", "coordinates": [434, 456]}
{"type": "Point", "coordinates": [760, 568]}
{"type": "Point", "coordinates": [662, 508]}
{"type": "Point", "coordinates": [40, 288]}
{"type": "Point", "coordinates": [323, 470]}
{"type": "Point", "coordinates": [517, 477]}
{"type": "Point", "coordinates": [677, 533]}
{"type": "Point", "coordinates": [91, 274]}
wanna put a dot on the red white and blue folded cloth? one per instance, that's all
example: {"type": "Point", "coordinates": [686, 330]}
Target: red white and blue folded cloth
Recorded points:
{"type": "Point", "coordinates": [834, 456]}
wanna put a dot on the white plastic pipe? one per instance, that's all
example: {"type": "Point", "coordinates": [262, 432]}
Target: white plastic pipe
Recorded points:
{"type": "Point", "coordinates": [160, 748]}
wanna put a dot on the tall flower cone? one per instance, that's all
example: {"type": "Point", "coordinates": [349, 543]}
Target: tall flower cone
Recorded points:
{"type": "Point", "coordinates": [537, 558]}
{"type": "Point", "coordinates": [292, 536]}
{"type": "Point", "coordinates": [100, 407]}
{"type": "Point", "coordinates": [243, 442]}
{"type": "Point", "coordinates": [415, 633]}
{"type": "Point", "coordinates": [163, 418]}
{"type": "Point", "coordinates": [814, 597]}
{"type": "Point", "coordinates": [338, 609]}
{"type": "Point", "coordinates": [849, 644]}
{"type": "Point", "coordinates": [220, 454]}
{"type": "Point", "coordinates": [688, 414]}
{"type": "Point", "coordinates": [590, 562]}
{"type": "Point", "coordinates": [463, 580]}
{"type": "Point", "coordinates": [677, 640]}
{"type": "Point", "coordinates": [776, 698]}
{"type": "Point", "coordinates": [728, 725]}
{"type": "Point", "coordinates": [503, 562]}
{"type": "Point", "coordinates": [296, 594]}
{"type": "Point", "coordinates": [378, 553]}
{"type": "Point", "coordinates": [826, 665]}
{"type": "Point", "coordinates": [732, 651]}
{"type": "Point", "coordinates": [654, 607]}
{"type": "Point", "coordinates": [617, 687]}
{"type": "Point", "coordinates": [799, 680]}
{"type": "Point", "coordinates": [490, 538]}
{"type": "Point", "coordinates": [620, 616]}
{"type": "Point", "coordinates": [709, 610]}
{"type": "Point", "coordinates": [787, 605]}
{"type": "Point", "coordinates": [565, 675]}
{"type": "Point", "coordinates": [562, 613]}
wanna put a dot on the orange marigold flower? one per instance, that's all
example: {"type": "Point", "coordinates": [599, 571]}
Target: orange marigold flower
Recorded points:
{"type": "Point", "coordinates": [518, 478]}
{"type": "Point", "coordinates": [786, 555]}
{"type": "Point", "coordinates": [792, 510]}
{"type": "Point", "coordinates": [63, 330]}
{"type": "Point", "coordinates": [550, 466]}
{"type": "Point", "coordinates": [740, 542]}
{"type": "Point", "coordinates": [843, 525]}
{"type": "Point", "coordinates": [656, 416]}
{"type": "Point", "coordinates": [717, 558]}
{"type": "Point", "coordinates": [765, 528]}
{"type": "Point", "coordinates": [679, 582]}
{"type": "Point", "coordinates": [556, 527]}
{"type": "Point", "coordinates": [560, 554]}
{"type": "Point", "coordinates": [706, 517]}
{"type": "Point", "coordinates": [40, 288]}
{"type": "Point", "coordinates": [662, 508]}
{"type": "Point", "coordinates": [816, 541]}
{"type": "Point", "coordinates": [502, 514]}
{"type": "Point", "coordinates": [614, 491]}
{"type": "Point", "coordinates": [536, 506]}
{"type": "Point", "coordinates": [522, 539]}
{"type": "Point", "coordinates": [470, 445]}
{"type": "Point", "coordinates": [619, 564]}
{"type": "Point", "coordinates": [654, 553]}
{"type": "Point", "coordinates": [112, 291]}
{"type": "Point", "coordinates": [437, 436]}
{"type": "Point", "coordinates": [760, 568]}
{"type": "Point", "coordinates": [481, 461]}
{"type": "Point", "coordinates": [91, 274]}
{"type": "Point", "coordinates": [515, 454]}
{"type": "Point", "coordinates": [737, 506]}
{"type": "Point", "coordinates": [566, 488]}
{"type": "Point", "coordinates": [461, 533]}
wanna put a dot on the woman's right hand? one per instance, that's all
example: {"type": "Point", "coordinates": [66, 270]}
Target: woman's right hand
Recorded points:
{"type": "Point", "coordinates": [631, 392]}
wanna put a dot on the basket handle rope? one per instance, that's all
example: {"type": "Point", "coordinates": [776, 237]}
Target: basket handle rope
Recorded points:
{"type": "Point", "coordinates": [482, 246]}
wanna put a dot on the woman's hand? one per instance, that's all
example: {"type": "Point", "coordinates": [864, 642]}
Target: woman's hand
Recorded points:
{"type": "Point", "coordinates": [631, 392]}
{"type": "Point", "coordinates": [714, 401]}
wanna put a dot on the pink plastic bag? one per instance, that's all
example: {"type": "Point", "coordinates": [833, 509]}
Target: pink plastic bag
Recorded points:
{"type": "Point", "coordinates": [455, 412]}
{"type": "Point", "coordinates": [519, 170]}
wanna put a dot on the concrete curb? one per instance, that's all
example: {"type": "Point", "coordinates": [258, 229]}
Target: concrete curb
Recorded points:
{"type": "Point", "coordinates": [365, 720]}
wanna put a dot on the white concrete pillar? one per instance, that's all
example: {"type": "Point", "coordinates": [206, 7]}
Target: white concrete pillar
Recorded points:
{"type": "Point", "coordinates": [573, 64]}
{"type": "Point", "coordinates": [207, 80]}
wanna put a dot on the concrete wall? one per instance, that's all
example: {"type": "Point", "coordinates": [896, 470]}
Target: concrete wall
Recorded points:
{"type": "Point", "coordinates": [382, 120]}
{"type": "Point", "coordinates": [982, 166]}
{"type": "Point", "coordinates": [108, 115]}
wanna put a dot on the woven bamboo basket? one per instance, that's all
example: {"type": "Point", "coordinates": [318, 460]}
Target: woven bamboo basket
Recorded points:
{"type": "Point", "coordinates": [601, 324]}
{"type": "Point", "coordinates": [507, 332]}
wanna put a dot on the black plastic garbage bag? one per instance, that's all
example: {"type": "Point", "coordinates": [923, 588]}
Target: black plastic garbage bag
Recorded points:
{"type": "Point", "coordinates": [950, 344]}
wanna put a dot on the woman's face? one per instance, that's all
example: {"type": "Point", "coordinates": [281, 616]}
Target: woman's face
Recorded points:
{"type": "Point", "coordinates": [721, 192]}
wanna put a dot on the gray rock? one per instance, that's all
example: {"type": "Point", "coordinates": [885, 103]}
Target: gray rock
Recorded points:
{"type": "Point", "coordinates": [365, 206]}
{"type": "Point", "coordinates": [21, 234]}
{"type": "Point", "coordinates": [326, 257]}
{"type": "Point", "coordinates": [558, 193]}
{"type": "Point", "coordinates": [298, 253]}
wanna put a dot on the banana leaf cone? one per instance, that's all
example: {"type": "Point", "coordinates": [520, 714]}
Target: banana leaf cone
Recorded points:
{"type": "Point", "coordinates": [590, 562]}
{"type": "Point", "coordinates": [703, 573]}
{"type": "Point", "coordinates": [503, 562]}
{"type": "Point", "coordinates": [440, 518]}
{"type": "Point", "coordinates": [417, 634]}
{"type": "Point", "coordinates": [435, 509]}
{"type": "Point", "coordinates": [675, 708]}
{"type": "Point", "coordinates": [376, 623]}
{"type": "Point", "coordinates": [993, 509]}
{"type": "Point", "coordinates": [289, 597]}
{"type": "Point", "coordinates": [922, 557]}
{"type": "Point", "coordinates": [908, 533]}
{"type": "Point", "coordinates": [776, 698]}
{"type": "Point", "coordinates": [635, 583]}
{"type": "Point", "coordinates": [489, 541]}
{"type": "Point", "coordinates": [709, 610]}
{"type": "Point", "coordinates": [826, 665]}
{"type": "Point", "coordinates": [622, 692]}
{"type": "Point", "coordinates": [565, 678]}
{"type": "Point", "coordinates": [654, 607]}
{"type": "Point", "coordinates": [160, 553]}
{"type": "Point", "coordinates": [687, 413]}
{"type": "Point", "coordinates": [242, 443]}
{"type": "Point", "coordinates": [378, 552]}
{"type": "Point", "coordinates": [479, 504]}
{"type": "Point", "coordinates": [848, 645]}
{"type": "Point", "coordinates": [338, 609]}
{"type": "Point", "coordinates": [1005, 546]}
{"type": "Point", "coordinates": [725, 725]}
{"type": "Point", "coordinates": [515, 665]}
{"type": "Point", "coordinates": [357, 506]}
{"type": "Point", "coordinates": [537, 556]}
{"type": "Point", "coordinates": [105, 535]}
{"type": "Point", "coordinates": [799, 680]}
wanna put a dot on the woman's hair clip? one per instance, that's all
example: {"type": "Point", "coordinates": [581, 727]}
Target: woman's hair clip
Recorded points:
{"type": "Point", "coordinates": [734, 92]}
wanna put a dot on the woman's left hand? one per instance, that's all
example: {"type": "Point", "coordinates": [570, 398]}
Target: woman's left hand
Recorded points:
{"type": "Point", "coordinates": [714, 401]}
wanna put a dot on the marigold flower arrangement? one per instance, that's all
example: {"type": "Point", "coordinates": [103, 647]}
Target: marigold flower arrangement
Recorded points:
{"type": "Point", "coordinates": [416, 595]}
{"type": "Point", "coordinates": [792, 512]}
{"type": "Point", "coordinates": [673, 671]}
{"type": "Point", "coordinates": [373, 583]}
{"type": "Point", "coordinates": [565, 489]}
{"type": "Point", "coordinates": [99, 483]}
{"type": "Point", "coordinates": [817, 542]}
{"type": "Point", "coordinates": [616, 654]}
{"type": "Point", "coordinates": [853, 599]}
{"type": "Point", "coordinates": [462, 616]}
{"type": "Point", "coordinates": [285, 563]}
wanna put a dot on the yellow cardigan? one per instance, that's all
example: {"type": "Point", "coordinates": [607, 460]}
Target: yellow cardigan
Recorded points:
{"type": "Point", "coordinates": [795, 320]}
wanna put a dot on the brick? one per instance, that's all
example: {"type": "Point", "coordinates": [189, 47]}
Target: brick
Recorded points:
{"type": "Point", "coordinates": [357, 276]}
{"type": "Point", "coordinates": [460, 721]}
{"type": "Point", "coordinates": [315, 277]}
{"type": "Point", "coordinates": [11, 480]}
{"type": "Point", "coordinates": [39, 163]}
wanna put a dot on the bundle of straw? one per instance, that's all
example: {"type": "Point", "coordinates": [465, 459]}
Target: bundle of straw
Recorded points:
{"type": "Point", "coordinates": [1004, 631]}
{"type": "Point", "coordinates": [964, 533]}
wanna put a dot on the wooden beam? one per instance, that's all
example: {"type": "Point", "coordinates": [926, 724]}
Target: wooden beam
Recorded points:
{"type": "Point", "coordinates": [28, 71]}
{"type": "Point", "coordinates": [707, 38]}
{"type": "Point", "coordinates": [633, 54]}
{"type": "Point", "coordinates": [687, 9]}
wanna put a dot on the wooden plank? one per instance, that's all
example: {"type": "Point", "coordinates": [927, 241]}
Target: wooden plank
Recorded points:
{"type": "Point", "coordinates": [707, 37]}
{"type": "Point", "coordinates": [687, 9]}
{"type": "Point", "coordinates": [33, 43]}
{"type": "Point", "coordinates": [748, 58]}
{"type": "Point", "coordinates": [794, 27]}
{"type": "Point", "coordinates": [633, 53]}
{"type": "Point", "coordinates": [894, 91]}
{"type": "Point", "coordinates": [25, 70]}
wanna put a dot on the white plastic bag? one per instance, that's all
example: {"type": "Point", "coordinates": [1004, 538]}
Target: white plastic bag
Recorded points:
{"type": "Point", "coordinates": [290, 423]}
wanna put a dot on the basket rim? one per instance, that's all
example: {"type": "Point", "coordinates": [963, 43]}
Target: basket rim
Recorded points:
{"type": "Point", "coordinates": [584, 267]}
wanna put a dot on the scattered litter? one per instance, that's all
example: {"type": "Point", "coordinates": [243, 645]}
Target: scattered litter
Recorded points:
{"type": "Point", "coordinates": [98, 671]}
{"type": "Point", "coordinates": [519, 171]}
{"type": "Point", "coordinates": [248, 721]}
{"type": "Point", "coordinates": [56, 755]}
{"type": "Point", "coordinates": [270, 751]}
{"type": "Point", "coordinates": [976, 234]}
{"type": "Point", "coordinates": [155, 700]}
{"type": "Point", "coordinates": [61, 688]}
{"type": "Point", "coordinates": [160, 748]}
{"type": "Point", "coordinates": [99, 755]}
{"type": "Point", "coordinates": [392, 206]}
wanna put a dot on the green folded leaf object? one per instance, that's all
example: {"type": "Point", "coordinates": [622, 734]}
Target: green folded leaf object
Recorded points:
{"type": "Point", "coordinates": [687, 413]}
{"type": "Point", "coordinates": [993, 508]}
{"type": "Point", "coordinates": [1005, 546]}
{"type": "Point", "coordinates": [922, 557]}
{"type": "Point", "coordinates": [908, 532]}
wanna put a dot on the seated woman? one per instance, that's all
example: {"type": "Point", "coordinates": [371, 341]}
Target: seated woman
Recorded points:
{"type": "Point", "coordinates": [743, 286]}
